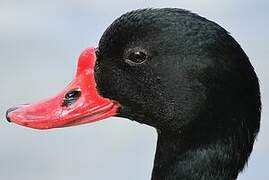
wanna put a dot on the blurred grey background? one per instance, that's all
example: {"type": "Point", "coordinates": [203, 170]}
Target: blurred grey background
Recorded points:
{"type": "Point", "coordinates": [39, 45]}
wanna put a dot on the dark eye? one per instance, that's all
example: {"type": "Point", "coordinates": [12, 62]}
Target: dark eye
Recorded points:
{"type": "Point", "coordinates": [136, 57]}
{"type": "Point", "coordinates": [71, 97]}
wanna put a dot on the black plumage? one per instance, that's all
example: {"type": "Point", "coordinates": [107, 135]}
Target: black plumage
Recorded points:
{"type": "Point", "coordinates": [192, 82]}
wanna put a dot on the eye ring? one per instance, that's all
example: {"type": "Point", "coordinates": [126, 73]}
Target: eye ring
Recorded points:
{"type": "Point", "coordinates": [136, 56]}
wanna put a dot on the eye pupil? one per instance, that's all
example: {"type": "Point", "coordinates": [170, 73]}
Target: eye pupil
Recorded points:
{"type": "Point", "coordinates": [137, 57]}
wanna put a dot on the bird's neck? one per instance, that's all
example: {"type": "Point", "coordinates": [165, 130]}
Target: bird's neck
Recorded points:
{"type": "Point", "coordinates": [177, 160]}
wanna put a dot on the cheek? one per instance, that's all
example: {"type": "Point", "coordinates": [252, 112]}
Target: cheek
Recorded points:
{"type": "Point", "coordinates": [111, 82]}
{"type": "Point", "coordinates": [98, 76]}
{"type": "Point", "coordinates": [103, 80]}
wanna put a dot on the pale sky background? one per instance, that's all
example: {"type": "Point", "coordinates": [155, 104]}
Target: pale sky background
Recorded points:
{"type": "Point", "coordinates": [39, 45]}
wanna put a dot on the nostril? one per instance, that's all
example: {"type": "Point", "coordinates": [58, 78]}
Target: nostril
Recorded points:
{"type": "Point", "coordinates": [71, 97]}
{"type": "Point", "coordinates": [8, 111]}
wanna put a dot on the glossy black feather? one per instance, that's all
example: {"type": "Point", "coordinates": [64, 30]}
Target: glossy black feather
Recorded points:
{"type": "Point", "coordinates": [197, 88]}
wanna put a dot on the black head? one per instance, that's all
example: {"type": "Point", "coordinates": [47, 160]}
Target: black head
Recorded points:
{"type": "Point", "coordinates": [174, 70]}
{"type": "Point", "coordinates": [188, 78]}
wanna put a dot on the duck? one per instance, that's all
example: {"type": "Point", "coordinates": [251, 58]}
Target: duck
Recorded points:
{"type": "Point", "coordinates": [176, 71]}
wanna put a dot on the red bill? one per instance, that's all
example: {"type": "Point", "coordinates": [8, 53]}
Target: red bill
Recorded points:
{"type": "Point", "coordinates": [79, 103]}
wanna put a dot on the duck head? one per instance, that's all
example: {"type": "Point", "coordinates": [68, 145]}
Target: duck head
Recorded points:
{"type": "Point", "coordinates": [175, 71]}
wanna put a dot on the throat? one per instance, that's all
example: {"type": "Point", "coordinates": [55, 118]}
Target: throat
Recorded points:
{"type": "Point", "coordinates": [178, 159]}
